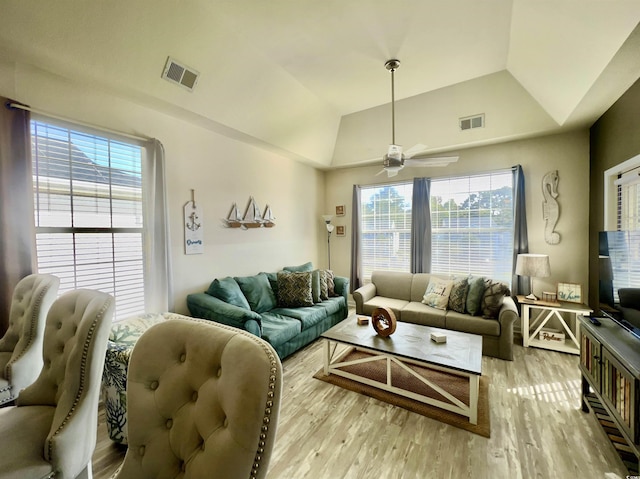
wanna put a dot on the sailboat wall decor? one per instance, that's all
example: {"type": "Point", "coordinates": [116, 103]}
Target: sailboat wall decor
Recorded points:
{"type": "Point", "coordinates": [252, 217]}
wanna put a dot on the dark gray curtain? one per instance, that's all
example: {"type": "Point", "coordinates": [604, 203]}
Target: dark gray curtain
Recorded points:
{"type": "Point", "coordinates": [519, 284]}
{"type": "Point", "coordinates": [421, 226]}
{"type": "Point", "coordinates": [356, 262]}
{"type": "Point", "coordinates": [17, 230]}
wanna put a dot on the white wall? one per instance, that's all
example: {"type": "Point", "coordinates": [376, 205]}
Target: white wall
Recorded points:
{"type": "Point", "coordinates": [220, 170]}
{"type": "Point", "coordinates": [567, 152]}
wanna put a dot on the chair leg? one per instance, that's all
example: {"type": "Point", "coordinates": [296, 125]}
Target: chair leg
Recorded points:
{"type": "Point", "coordinates": [86, 473]}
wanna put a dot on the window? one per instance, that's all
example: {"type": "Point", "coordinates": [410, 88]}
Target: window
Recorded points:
{"type": "Point", "coordinates": [89, 221]}
{"type": "Point", "coordinates": [386, 228]}
{"type": "Point", "coordinates": [472, 225]}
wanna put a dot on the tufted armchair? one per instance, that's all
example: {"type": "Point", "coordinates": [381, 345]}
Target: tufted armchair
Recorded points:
{"type": "Point", "coordinates": [21, 346]}
{"type": "Point", "coordinates": [51, 431]}
{"type": "Point", "coordinates": [203, 402]}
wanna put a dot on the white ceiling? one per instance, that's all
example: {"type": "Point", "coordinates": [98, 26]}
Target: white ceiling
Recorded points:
{"type": "Point", "coordinates": [306, 78]}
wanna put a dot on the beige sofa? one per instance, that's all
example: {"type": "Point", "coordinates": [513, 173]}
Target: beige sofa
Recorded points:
{"type": "Point", "coordinates": [403, 293]}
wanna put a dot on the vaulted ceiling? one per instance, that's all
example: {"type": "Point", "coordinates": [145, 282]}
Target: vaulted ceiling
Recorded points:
{"type": "Point", "coordinates": [307, 79]}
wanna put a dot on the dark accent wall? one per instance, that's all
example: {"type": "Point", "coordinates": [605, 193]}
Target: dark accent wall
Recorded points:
{"type": "Point", "coordinates": [614, 138]}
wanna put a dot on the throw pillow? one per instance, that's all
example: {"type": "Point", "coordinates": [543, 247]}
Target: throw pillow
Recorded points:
{"type": "Point", "coordinates": [458, 296]}
{"type": "Point", "coordinates": [273, 281]}
{"type": "Point", "coordinates": [437, 293]}
{"type": "Point", "coordinates": [258, 292]}
{"type": "Point", "coordinates": [294, 289]}
{"type": "Point", "coordinates": [300, 268]}
{"type": "Point", "coordinates": [315, 285]}
{"type": "Point", "coordinates": [324, 286]}
{"type": "Point", "coordinates": [492, 298]}
{"type": "Point", "coordinates": [331, 287]}
{"type": "Point", "coordinates": [227, 290]}
{"type": "Point", "coordinates": [474, 295]}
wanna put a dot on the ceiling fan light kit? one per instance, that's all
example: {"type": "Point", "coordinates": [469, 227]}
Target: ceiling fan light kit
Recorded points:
{"type": "Point", "coordinates": [394, 160]}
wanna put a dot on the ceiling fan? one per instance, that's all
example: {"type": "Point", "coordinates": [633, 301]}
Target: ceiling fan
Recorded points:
{"type": "Point", "coordinates": [395, 159]}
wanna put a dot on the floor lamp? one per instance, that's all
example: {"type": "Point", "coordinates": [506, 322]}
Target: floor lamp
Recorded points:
{"type": "Point", "coordinates": [327, 219]}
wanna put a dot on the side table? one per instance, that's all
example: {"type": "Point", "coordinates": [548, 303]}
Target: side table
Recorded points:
{"type": "Point", "coordinates": [543, 312]}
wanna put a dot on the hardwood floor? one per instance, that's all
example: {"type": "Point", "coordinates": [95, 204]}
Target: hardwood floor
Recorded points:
{"type": "Point", "coordinates": [537, 429]}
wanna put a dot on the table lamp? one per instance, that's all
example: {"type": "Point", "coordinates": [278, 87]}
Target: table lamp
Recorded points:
{"type": "Point", "coordinates": [533, 266]}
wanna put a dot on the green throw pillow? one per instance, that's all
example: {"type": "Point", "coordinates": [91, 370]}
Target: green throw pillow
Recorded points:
{"type": "Point", "coordinates": [494, 291]}
{"type": "Point", "coordinates": [227, 290]}
{"type": "Point", "coordinates": [258, 292]}
{"type": "Point", "coordinates": [294, 289]}
{"type": "Point", "coordinates": [300, 268]}
{"type": "Point", "coordinates": [474, 295]}
{"type": "Point", "coordinates": [458, 296]}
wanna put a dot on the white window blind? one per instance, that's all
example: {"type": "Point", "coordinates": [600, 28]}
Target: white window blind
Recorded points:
{"type": "Point", "coordinates": [472, 225]}
{"type": "Point", "coordinates": [628, 207]}
{"type": "Point", "coordinates": [386, 228]}
{"type": "Point", "coordinates": [89, 212]}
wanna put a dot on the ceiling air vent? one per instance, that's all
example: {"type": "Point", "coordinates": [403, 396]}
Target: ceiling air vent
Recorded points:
{"type": "Point", "coordinates": [179, 73]}
{"type": "Point", "coordinates": [470, 122]}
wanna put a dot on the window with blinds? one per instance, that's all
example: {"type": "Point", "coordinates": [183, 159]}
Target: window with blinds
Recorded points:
{"type": "Point", "coordinates": [472, 225]}
{"type": "Point", "coordinates": [385, 220]}
{"type": "Point", "coordinates": [89, 212]}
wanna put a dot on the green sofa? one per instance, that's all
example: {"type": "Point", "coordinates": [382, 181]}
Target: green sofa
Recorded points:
{"type": "Point", "coordinates": [267, 305]}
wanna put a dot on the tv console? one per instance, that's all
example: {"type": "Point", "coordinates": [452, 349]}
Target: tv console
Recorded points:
{"type": "Point", "coordinates": [610, 367]}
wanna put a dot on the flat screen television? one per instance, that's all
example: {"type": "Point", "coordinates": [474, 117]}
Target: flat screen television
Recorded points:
{"type": "Point", "coordinates": [619, 268]}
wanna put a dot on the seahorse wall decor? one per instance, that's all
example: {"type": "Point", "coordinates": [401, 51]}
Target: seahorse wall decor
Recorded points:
{"type": "Point", "coordinates": [550, 206]}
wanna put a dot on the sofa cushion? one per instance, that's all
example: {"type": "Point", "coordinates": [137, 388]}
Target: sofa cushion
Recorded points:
{"type": "Point", "coordinates": [419, 285]}
{"type": "Point", "coordinates": [258, 292]}
{"type": "Point", "coordinates": [458, 296]}
{"type": "Point", "coordinates": [392, 284]}
{"type": "Point", "coordinates": [492, 298]}
{"type": "Point", "coordinates": [278, 329]}
{"type": "Point", "coordinates": [419, 313]}
{"type": "Point", "coordinates": [471, 324]}
{"type": "Point", "coordinates": [396, 305]}
{"type": "Point", "coordinates": [474, 295]}
{"type": "Point", "coordinates": [294, 289]}
{"type": "Point", "coordinates": [307, 315]}
{"type": "Point", "coordinates": [437, 293]}
{"type": "Point", "coordinates": [301, 268]}
{"type": "Point", "coordinates": [333, 305]}
{"type": "Point", "coordinates": [273, 281]}
{"type": "Point", "coordinates": [315, 286]}
{"type": "Point", "coordinates": [228, 290]}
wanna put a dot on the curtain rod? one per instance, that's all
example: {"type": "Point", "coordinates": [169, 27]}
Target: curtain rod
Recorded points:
{"type": "Point", "coordinates": [77, 122]}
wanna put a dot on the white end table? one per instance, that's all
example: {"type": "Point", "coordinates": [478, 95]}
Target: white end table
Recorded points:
{"type": "Point", "coordinates": [544, 311]}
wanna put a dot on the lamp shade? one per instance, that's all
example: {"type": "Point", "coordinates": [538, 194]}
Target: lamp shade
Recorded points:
{"type": "Point", "coordinates": [327, 218]}
{"type": "Point", "coordinates": [533, 265]}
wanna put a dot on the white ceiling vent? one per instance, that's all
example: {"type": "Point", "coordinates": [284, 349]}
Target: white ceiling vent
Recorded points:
{"type": "Point", "coordinates": [179, 73]}
{"type": "Point", "coordinates": [470, 122]}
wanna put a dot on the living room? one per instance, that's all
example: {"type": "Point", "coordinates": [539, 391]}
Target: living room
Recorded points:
{"type": "Point", "coordinates": [223, 142]}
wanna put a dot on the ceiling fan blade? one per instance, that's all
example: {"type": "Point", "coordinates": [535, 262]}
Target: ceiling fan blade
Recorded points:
{"type": "Point", "coordinates": [414, 150]}
{"type": "Point", "coordinates": [431, 161]}
{"type": "Point", "coordinates": [380, 172]}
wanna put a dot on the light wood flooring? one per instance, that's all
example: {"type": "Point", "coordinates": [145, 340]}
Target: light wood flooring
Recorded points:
{"type": "Point", "coordinates": [537, 429]}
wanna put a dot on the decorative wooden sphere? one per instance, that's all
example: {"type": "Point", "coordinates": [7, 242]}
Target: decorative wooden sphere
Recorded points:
{"type": "Point", "coordinates": [383, 321]}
